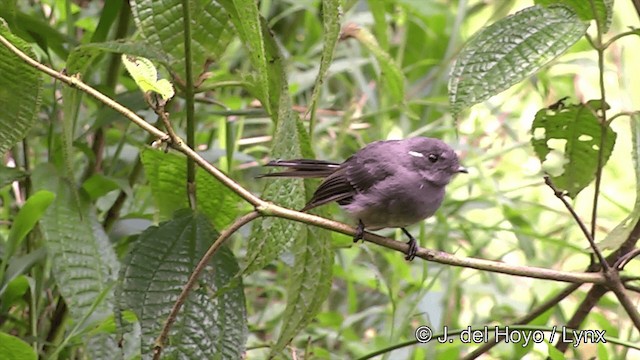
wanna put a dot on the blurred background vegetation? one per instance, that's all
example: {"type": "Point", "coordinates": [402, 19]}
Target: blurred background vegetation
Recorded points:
{"type": "Point", "coordinates": [501, 210]}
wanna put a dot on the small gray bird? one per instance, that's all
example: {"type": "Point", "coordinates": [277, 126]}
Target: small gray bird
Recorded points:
{"type": "Point", "coordinates": [392, 183]}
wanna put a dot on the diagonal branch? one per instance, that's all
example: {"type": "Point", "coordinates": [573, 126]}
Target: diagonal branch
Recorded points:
{"type": "Point", "coordinates": [560, 195]}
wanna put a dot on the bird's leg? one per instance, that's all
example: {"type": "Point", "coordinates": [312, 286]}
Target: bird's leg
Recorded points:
{"type": "Point", "coordinates": [413, 246]}
{"type": "Point", "coordinates": [359, 235]}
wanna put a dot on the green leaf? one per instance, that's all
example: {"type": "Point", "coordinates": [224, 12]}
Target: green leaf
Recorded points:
{"type": "Point", "coordinates": [99, 185]}
{"type": "Point", "coordinates": [271, 235]}
{"type": "Point", "coordinates": [167, 176]}
{"type": "Point", "coordinates": [81, 57]}
{"type": "Point", "coordinates": [20, 92]}
{"type": "Point", "coordinates": [209, 325]}
{"type": "Point", "coordinates": [602, 10]}
{"type": "Point", "coordinates": [309, 284]}
{"type": "Point", "coordinates": [510, 50]}
{"type": "Point", "coordinates": [161, 24]}
{"type": "Point", "coordinates": [13, 348]}
{"type": "Point", "coordinates": [14, 291]}
{"type": "Point", "coordinates": [245, 16]}
{"type": "Point", "coordinates": [84, 264]}
{"type": "Point", "coordinates": [567, 142]}
{"type": "Point", "coordinates": [27, 218]}
{"type": "Point", "coordinates": [144, 73]}
{"type": "Point", "coordinates": [9, 175]}
{"type": "Point", "coordinates": [621, 232]}
{"type": "Point", "coordinates": [392, 78]}
{"type": "Point", "coordinates": [331, 22]}
{"type": "Point", "coordinates": [19, 265]}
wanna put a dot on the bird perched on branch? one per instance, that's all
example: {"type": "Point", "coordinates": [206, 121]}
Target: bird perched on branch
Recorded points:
{"type": "Point", "coordinates": [386, 184]}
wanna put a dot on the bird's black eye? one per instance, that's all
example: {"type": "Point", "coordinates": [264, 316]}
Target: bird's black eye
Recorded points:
{"type": "Point", "coordinates": [433, 157]}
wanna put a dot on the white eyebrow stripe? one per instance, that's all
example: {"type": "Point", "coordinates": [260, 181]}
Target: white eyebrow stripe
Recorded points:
{"type": "Point", "coordinates": [415, 153]}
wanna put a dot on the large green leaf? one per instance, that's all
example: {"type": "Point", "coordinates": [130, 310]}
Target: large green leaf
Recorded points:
{"type": "Point", "coordinates": [167, 176]}
{"type": "Point", "coordinates": [331, 23]}
{"type": "Point", "coordinates": [567, 141]}
{"type": "Point", "coordinates": [161, 24]}
{"type": "Point", "coordinates": [263, 52]}
{"type": "Point", "coordinates": [309, 284]}
{"type": "Point", "coordinates": [602, 10]}
{"type": "Point", "coordinates": [27, 218]}
{"type": "Point", "coordinates": [84, 264]}
{"type": "Point", "coordinates": [271, 236]}
{"type": "Point", "coordinates": [13, 348]}
{"type": "Point", "coordinates": [621, 232]}
{"type": "Point", "coordinates": [81, 57]}
{"type": "Point", "coordinates": [510, 50]}
{"type": "Point", "coordinates": [159, 265]}
{"type": "Point", "coordinates": [20, 92]}
{"type": "Point", "coordinates": [245, 17]}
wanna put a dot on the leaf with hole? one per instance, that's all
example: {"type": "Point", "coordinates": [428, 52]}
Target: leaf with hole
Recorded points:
{"type": "Point", "coordinates": [568, 143]}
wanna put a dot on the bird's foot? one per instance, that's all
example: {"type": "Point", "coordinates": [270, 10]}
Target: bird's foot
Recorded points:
{"type": "Point", "coordinates": [359, 235]}
{"type": "Point", "coordinates": [413, 246]}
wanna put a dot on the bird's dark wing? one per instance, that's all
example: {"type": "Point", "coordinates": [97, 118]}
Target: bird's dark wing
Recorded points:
{"type": "Point", "coordinates": [302, 168]}
{"type": "Point", "coordinates": [368, 168]}
{"type": "Point", "coordinates": [335, 187]}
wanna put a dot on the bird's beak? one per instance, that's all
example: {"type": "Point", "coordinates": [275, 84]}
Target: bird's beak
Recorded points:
{"type": "Point", "coordinates": [463, 169]}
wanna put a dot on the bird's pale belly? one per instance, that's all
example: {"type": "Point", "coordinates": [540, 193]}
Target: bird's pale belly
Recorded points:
{"type": "Point", "coordinates": [394, 211]}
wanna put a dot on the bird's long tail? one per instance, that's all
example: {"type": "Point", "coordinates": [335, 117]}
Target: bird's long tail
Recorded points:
{"type": "Point", "coordinates": [302, 168]}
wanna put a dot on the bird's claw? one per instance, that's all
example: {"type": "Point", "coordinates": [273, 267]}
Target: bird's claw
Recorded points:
{"type": "Point", "coordinates": [413, 249]}
{"type": "Point", "coordinates": [413, 246]}
{"type": "Point", "coordinates": [359, 235]}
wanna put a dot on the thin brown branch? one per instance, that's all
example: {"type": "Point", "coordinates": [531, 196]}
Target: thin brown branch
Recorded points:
{"type": "Point", "coordinates": [618, 288]}
{"type": "Point", "coordinates": [164, 333]}
{"type": "Point", "coordinates": [560, 195]}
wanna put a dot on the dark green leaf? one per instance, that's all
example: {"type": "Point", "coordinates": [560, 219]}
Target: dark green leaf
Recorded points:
{"type": "Point", "coordinates": [167, 176]}
{"type": "Point", "coordinates": [331, 22]}
{"type": "Point", "coordinates": [9, 175]}
{"type": "Point", "coordinates": [246, 18]}
{"type": "Point", "coordinates": [20, 92]}
{"type": "Point", "coordinates": [159, 265]}
{"type": "Point", "coordinates": [510, 50]}
{"type": "Point", "coordinates": [27, 218]}
{"type": "Point", "coordinates": [13, 348]}
{"type": "Point", "coordinates": [601, 9]}
{"type": "Point", "coordinates": [271, 236]}
{"type": "Point", "coordinates": [161, 24]}
{"type": "Point", "coordinates": [309, 284]}
{"type": "Point", "coordinates": [81, 57]}
{"type": "Point", "coordinates": [84, 264]}
{"type": "Point", "coordinates": [567, 142]}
